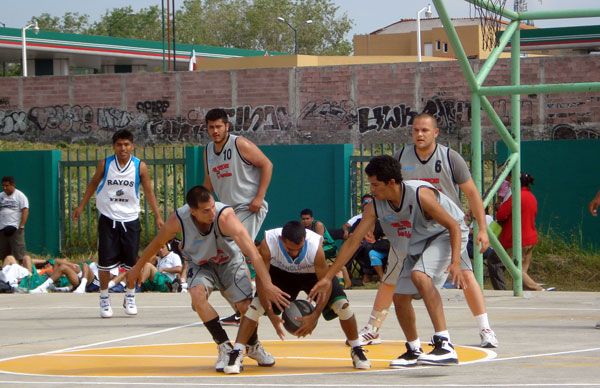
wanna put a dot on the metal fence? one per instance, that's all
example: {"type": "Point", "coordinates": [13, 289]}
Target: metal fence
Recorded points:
{"type": "Point", "coordinates": [362, 155]}
{"type": "Point", "coordinates": [166, 166]}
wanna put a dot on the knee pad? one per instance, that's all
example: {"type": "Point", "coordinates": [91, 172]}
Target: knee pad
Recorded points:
{"type": "Point", "coordinates": [255, 310]}
{"type": "Point", "coordinates": [341, 308]}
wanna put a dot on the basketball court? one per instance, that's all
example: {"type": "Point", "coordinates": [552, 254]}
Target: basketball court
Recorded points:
{"type": "Point", "coordinates": [546, 338]}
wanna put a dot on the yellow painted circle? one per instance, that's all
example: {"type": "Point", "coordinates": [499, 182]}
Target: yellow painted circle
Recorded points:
{"type": "Point", "coordinates": [198, 359]}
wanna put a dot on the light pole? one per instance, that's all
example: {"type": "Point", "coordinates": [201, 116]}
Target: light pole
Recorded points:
{"type": "Point", "coordinates": [428, 14]}
{"type": "Point", "coordinates": [309, 21]}
{"type": "Point", "coordinates": [24, 43]}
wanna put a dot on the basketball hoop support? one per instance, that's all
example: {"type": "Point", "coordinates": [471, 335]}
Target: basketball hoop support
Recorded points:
{"type": "Point", "coordinates": [511, 138]}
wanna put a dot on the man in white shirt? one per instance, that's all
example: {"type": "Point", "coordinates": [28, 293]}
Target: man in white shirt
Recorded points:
{"type": "Point", "coordinates": [160, 278]}
{"type": "Point", "coordinates": [14, 211]}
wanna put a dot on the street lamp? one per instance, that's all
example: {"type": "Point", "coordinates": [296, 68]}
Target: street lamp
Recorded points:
{"type": "Point", "coordinates": [36, 29]}
{"type": "Point", "coordinates": [309, 21]}
{"type": "Point", "coordinates": [428, 14]}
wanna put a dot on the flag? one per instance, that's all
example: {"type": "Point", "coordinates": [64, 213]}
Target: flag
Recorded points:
{"type": "Point", "coordinates": [192, 65]}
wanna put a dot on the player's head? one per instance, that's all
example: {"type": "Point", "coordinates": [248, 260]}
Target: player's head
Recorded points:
{"type": "Point", "coordinates": [306, 217]}
{"type": "Point", "coordinates": [122, 134]}
{"type": "Point", "coordinates": [8, 184]}
{"type": "Point", "coordinates": [217, 124]}
{"type": "Point", "coordinates": [123, 144]}
{"type": "Point", "coordinates": [292, 237]}
{"type": "Point", "coordinates": [424, 130]}
{"type": "Point", "coordinates": [201, 203]}
{"type": "Point", "coordinates": [526, 180]}
{"type": "Point", "coordinates": [383, 172]}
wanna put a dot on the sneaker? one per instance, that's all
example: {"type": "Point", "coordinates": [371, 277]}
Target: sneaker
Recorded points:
{"type": "Point", "coordinates": [488, 338]}
{"type": "Point", "coordinates": [129, 305]}
{"type": "Point", "coordinates": [598, 325]}
{"type": "Point", "coordinates": [236, 362]}
{"type": "Point", "coordinates": [38, 290]}
{"type": "Point", "coordinates": [258, 353]}
{"type": "Point", "coordinates": [176, 285]}
{"type": "Point", "coordinates": [443, 353]}
{"type": "Point", "coordinates": [232, 320]}
{"type": "Point", "coordinates": [369, 336]}
{"type": "Point", "coordinates": [407, 359]}
{"type": "Point", "coordinates": [105, 309]}
{"type": "Point", "coordinates": [223, 356]}
{"type": "Point", "coordinates": [359, 360]}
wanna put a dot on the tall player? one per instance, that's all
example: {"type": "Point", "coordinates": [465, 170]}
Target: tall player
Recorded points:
{"type": "Point", "coordinates": [238, 172]}
{"type": "Point", "coordinates": [116, 183]}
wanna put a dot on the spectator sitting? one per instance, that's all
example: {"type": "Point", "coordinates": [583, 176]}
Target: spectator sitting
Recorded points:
{"type": "Point", "coordinates": [76, 274]}
{"type": "Point", "coordinates": [161, 278]}
{"type": "Point", "coordinates": [373, 241]}
{"type": "Point", "coordinates": [12, 272]}
{"type": "Point", "coordinates": [115, 284]}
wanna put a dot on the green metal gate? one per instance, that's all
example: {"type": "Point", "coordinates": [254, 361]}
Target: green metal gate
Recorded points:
{"type": "Point", "coordinates": [166, 165]}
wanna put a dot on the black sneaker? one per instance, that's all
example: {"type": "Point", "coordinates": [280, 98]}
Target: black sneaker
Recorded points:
{"type": "Point", "coordinates": [359, 360]}
{"type": "Point", "coordinates": [232, 320]}
{"type": "Point", "coordinates": [407, 359]}
{"type": "Point", "coordinates": [443, 353]}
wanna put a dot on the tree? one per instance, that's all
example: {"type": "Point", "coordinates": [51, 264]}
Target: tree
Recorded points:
{"type": "Point", "coordinates": [124, 22]}
{"type": "Point", "coordinates": [71, 22]}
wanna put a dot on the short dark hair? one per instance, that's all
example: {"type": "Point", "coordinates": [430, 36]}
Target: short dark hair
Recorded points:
{"type": "Point", "coordinates": [306, 212]}
{"type": "Point", "coordinates": [526, 180]}
{"type": "Point", "coordinates": [8, 179]}
{"type": "Point", "coordinates": [294, 231]}
{"type": "Point", "coordinates": [426, 115]}
{"type": "Point", "coordinates": [384, 168]}
{"type": "Point", "coordinates": [122, 134]}
{"type": "Point", "coordinates": [216, 114]}
{"type": "Point", "coordinates": [197, 195]}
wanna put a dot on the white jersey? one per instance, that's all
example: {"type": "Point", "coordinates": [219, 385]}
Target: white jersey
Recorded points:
{"type": "Point", "coordinates": [211, 246]}
{"type": "Point", "coordinates": [304, 263]}
{"type": "Point", "coordinates": [445, 169]}
{"type": "Point", "coordinates": [11, 208]}
{"type": "Point", "coordinates": [118, 194]}
{"type": "Point", "coordinates": [171, 260]}
{"type": "Point", "coordinates": [234, 179]}
{"type": "Point", "coordinates": [397, 223]}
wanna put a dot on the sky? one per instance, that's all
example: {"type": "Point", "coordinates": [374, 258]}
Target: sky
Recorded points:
{"type": "Point", "coordinates": [368, 15]}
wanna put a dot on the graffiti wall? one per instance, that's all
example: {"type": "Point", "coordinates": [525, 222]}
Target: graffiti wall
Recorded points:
{"type": "Point", "coordinates": [360, 104]}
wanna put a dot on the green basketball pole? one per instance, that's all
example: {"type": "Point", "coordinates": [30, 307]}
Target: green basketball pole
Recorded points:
{"type": "Point", "coordinates": [512, 139]}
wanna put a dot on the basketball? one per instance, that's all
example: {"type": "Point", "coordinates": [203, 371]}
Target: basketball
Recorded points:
{"type": "Point", "coordinates": [298, 308]}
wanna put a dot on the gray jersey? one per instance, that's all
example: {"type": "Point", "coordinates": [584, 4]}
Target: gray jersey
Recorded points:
{"type": "Point", "coordinates": [212, 246]}
{"type": "Point", "coordinates": [445, 169]}
{"type": "Point", "coordinates": [304, 263]}
{"type": "Point", "coordinates": [397, 223]}
{"type": "Point", "coordinates": [425, 227]}
{"type": "Point", "coordinates": [234, 179]}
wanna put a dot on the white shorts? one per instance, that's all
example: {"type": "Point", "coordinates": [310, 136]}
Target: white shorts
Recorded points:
{"type": "Point", "coordinates": [433, 261]}
{"type": "Point", "coordinates": [252, 221]}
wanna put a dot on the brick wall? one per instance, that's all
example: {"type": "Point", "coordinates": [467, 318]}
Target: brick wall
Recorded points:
{"type": "Point", "coordinates": [336, 104]}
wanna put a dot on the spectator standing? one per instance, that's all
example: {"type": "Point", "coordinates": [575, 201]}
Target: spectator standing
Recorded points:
{"type": "Point", "coordinates": [14, 211]}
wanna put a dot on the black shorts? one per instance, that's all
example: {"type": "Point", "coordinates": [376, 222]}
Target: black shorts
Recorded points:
{"type": "Point", "coordinates": [293, 283]}
{"type": "Point", "coordinates": [118, 243]}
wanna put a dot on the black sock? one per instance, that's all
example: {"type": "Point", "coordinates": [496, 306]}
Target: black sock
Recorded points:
{"type": "Point", "coordinates": [253, 338]}
{"type": "Point", "coordinates": [216, 330]}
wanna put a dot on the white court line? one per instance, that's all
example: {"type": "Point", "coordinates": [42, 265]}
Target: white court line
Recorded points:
{"type": "Point", "coordinates": [215, 384]}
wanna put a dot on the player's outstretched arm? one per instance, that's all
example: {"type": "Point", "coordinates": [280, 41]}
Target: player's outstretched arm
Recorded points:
{"type": "Point", "coordinates": [91, 188]}
{"type": "Point", "coordinates": [231, 226]}
{"type": "Point", "coordinates": [594, 204]}
{"type": "Point", "coordinates": [431, 206]}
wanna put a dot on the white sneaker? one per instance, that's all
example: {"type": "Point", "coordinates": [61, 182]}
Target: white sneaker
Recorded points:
{"type": "Point", "coordinates": [38, 290]}
{"type": "Point", "coordinates": [129, 305]}
{"type": "Point", "coordinates": [235, 364]}
{"type": "Point", "coordinates": [258, 353]}
{"type": "Point", "coordinates": [359, 360]}
{"type": "Point", "coordinates": [105, 309]}
{"type": "Point", "coordinates": [488, 338]}
{"type": "Point", "coordinates": [368, 336]}
{"type": "Point", "coordinates": [223, 356]}
{"type": "Point", "coordinates": [79, 290]}
{"type": "Point", "coordinates": [443, 353]}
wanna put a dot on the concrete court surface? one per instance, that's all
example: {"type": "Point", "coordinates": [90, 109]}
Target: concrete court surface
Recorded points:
{"type": "Point", "coordinates": [546, 339]}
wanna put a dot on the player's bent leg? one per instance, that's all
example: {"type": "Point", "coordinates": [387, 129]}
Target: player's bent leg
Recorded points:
{"type": "Point", "coordinates": [369, 335]}
{"type": "Point", "coordinates": [476, 303]}
{"type": "Point", "coordinates": [431, 298]}
{"type": "Point", "coordinates": [248, 340]}
{"type": "Point", "coordinates": [341, 308]}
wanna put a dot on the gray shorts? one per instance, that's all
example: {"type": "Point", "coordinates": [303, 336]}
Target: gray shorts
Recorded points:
{"type": "Point", "coordinates": [252, 221]}
{"type": "Point", "coordinates": [433, 261]}
{"type": "Point", "coordinates": [394, 266]}
{"type": "Point", "coordinates": [231, 278]}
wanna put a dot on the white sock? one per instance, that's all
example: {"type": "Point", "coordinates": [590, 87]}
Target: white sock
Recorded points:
{"type": "Point", "coordinates": [82, 284]}
{"type": "Point", "coordinates": [130, 291]}
{"type": "Point", "coordinates": [444, 334]}
{"type": "Point", "coordinates": [354, 343]}
{"type": "Point", "coordinates": [482, 321]}
{"type": "Point", "coordinates": [416, 344]}
{"type": "Point", "coordinates": [239, 346]}
{"type": "Point", "coordinates": [46, 284]}
{"type": "Point", "coordinates": [104, 293]}
{"type": "Point", "coordinates": [111, 284]}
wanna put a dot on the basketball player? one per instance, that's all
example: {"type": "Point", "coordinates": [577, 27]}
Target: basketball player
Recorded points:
{"type": "Point", "coordinates": [447, 171]}
{"type": "Point", "coordinates": [296, 260]}
{"type": "Point", "coordinates": [427, 234]}
{"type": "Point", "coordinates": [238, 172]}
{"type": "Point", "coordinates": [213, 242]}
{"type": "Point", "coordinates": [116, 183]}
